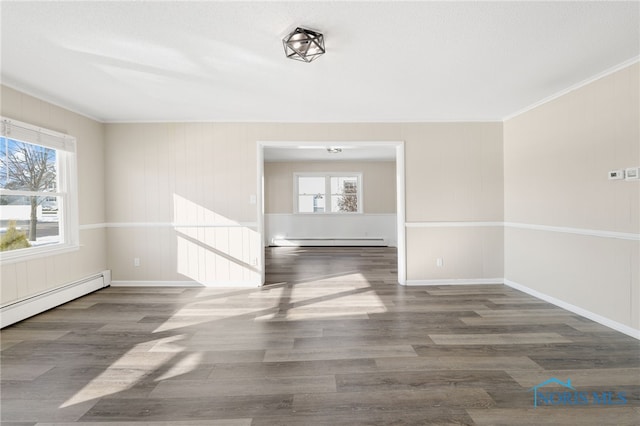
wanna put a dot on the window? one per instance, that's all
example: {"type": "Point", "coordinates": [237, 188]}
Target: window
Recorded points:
{"type": "Point", "coordinates": [38, 201]}
{"type": "Point", "coordinates": [328, 193]}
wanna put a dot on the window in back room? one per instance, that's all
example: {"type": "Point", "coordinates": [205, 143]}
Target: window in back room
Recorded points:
{"type": "Point", "coordinates": [328, 193]}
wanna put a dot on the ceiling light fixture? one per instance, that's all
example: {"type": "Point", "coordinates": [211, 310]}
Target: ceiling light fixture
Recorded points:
{"type": "Point", "coordinates": [333, 150]}
{"type": "Point", "coordinates": [303, 45]}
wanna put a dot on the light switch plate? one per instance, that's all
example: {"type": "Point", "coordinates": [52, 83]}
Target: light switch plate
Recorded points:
{"type": "Point", "coordinates": [616, 174]}
{"type": "Point", "coordinates": [632, 173]}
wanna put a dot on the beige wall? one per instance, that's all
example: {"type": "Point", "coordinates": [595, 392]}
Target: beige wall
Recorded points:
{"type": "Point", "coordinates": [556, 159]}
{"type": "Point", "coordinates": [470, 253]}
{"type": "Point", "coordinates": [378, 182]}
{"type": "Point", "coordinates": [197, 175]}
{"type": "Point", "coordinates": [208, 171]}
{"type": "Point", "coordinates": [23, 279]}
{"type": "Point", "coordinates": [454, 174]}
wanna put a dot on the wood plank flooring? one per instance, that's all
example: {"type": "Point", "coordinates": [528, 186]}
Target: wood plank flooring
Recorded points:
{"type": "Point", "coordinates": [332, 340]}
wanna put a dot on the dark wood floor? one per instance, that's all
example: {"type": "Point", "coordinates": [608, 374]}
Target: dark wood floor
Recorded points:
{"type": "Point", "coordinates": [332, 340]}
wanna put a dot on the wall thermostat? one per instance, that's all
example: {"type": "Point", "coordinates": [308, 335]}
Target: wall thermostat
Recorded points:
{"type": "Point", "coordinates": [632, 173]}
{"type": "Point", "coordinates": [616, 174]}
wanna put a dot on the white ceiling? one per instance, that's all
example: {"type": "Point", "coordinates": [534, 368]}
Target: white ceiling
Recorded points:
{"type": "Point", "coordinates": [386, 61]}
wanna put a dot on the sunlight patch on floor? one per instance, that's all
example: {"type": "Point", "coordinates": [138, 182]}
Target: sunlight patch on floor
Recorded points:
{"type": "Point", "coordinates": [129, 369]}
{"type": "Point", "coordinates": [183, 366]}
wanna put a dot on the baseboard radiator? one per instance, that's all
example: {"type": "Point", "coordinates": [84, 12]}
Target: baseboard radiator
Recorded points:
{"type": "Point", "coordinates": [328, 242]}
{"type": "Point", "coordinates": [17, 311]}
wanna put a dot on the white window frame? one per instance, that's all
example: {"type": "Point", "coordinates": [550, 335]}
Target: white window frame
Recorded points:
{"type": "Point", "coordinates": [67, 190]}
{"type": "Point", "coordinates": [327, 191]}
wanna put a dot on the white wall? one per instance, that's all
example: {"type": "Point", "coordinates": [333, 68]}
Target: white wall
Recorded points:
{"type": "Point", "coordinates": [571, 233]}
{"type": "Point", "coordinates": [348, 229]}
{"type": "Point", "coordinates": [23, 279]}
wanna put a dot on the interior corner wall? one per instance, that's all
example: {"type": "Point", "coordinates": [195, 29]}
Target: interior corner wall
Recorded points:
{"type": "Point", "coordinates": [178, 197]}
{"type": "Point", "coordinates": [23, 279]}
{"type": "Point", "coordinates": [571, 234]}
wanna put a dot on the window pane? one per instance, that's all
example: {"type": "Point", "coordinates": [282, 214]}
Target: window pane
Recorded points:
{"type": "Point", "coordinates": [318, 204]}
{"type": "Point", "coordinates": [342, 184]}
{"type": "Point", "coordinates": [311, 204]}
{"type": "Point", "coordinates": [48, 225]}
{"type": "Point", "coordinates": [344, 194]}
{"type": "Point", "coordinates": [311, 185]}
{"type": "Point", "coordinates": [311, 196]}
{"type": "Point", "coordinates": [39, 198]}
{"type": "Point", "coordinates": [29, 222]}
{"type": "Point", "coordinates": [27, 167]}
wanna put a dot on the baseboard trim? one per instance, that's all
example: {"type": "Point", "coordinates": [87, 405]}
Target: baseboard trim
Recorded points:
{"type": "Point", "coordinates": [219, 284]}
{"type": "Point", "coordinates": [329, 242]}
{"type": "Point", "coordinates": [34, 305]}
{"type": "Point", "coordinates": [629, 331]}
{"type": "Point", "coordinates": [455, 281]}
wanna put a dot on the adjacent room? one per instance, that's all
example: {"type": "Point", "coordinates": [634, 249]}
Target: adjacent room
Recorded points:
{"type": "Point", "coordinates": [314, 212]}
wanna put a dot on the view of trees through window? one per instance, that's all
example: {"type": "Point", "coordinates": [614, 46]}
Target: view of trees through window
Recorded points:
{"type": "Point", "coordinates": [29, 198]}
{"type": "Point", "coordinates": [344, 194]}
{"type": "Point", "coordinates": [327, 194]}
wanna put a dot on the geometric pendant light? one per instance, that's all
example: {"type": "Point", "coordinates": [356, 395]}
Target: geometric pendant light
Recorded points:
{"type": "Point", "coordinates": [304, 45]}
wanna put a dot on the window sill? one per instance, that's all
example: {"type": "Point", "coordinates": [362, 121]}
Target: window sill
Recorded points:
{"type": "Point", "coordinates": [17, 256]}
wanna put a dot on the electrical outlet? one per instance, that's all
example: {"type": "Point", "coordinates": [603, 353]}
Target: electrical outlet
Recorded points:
{"type": "Point", "coordinates": [136, 261]}
{"type": "Point", "coordinates": [439, 262]}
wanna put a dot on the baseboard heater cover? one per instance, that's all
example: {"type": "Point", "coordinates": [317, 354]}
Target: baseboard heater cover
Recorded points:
{"type": "Point", "coordinates": [34, 305]}
{"type": "Point", "coordinates": [330, 242]}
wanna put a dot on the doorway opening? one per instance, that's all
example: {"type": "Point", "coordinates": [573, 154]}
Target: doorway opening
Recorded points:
{"type": "Point", "coordinates": [290, 152]}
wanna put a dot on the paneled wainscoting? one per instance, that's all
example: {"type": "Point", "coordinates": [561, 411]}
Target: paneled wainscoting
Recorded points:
{"type": "Point", "coordinates": [331, 340]}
